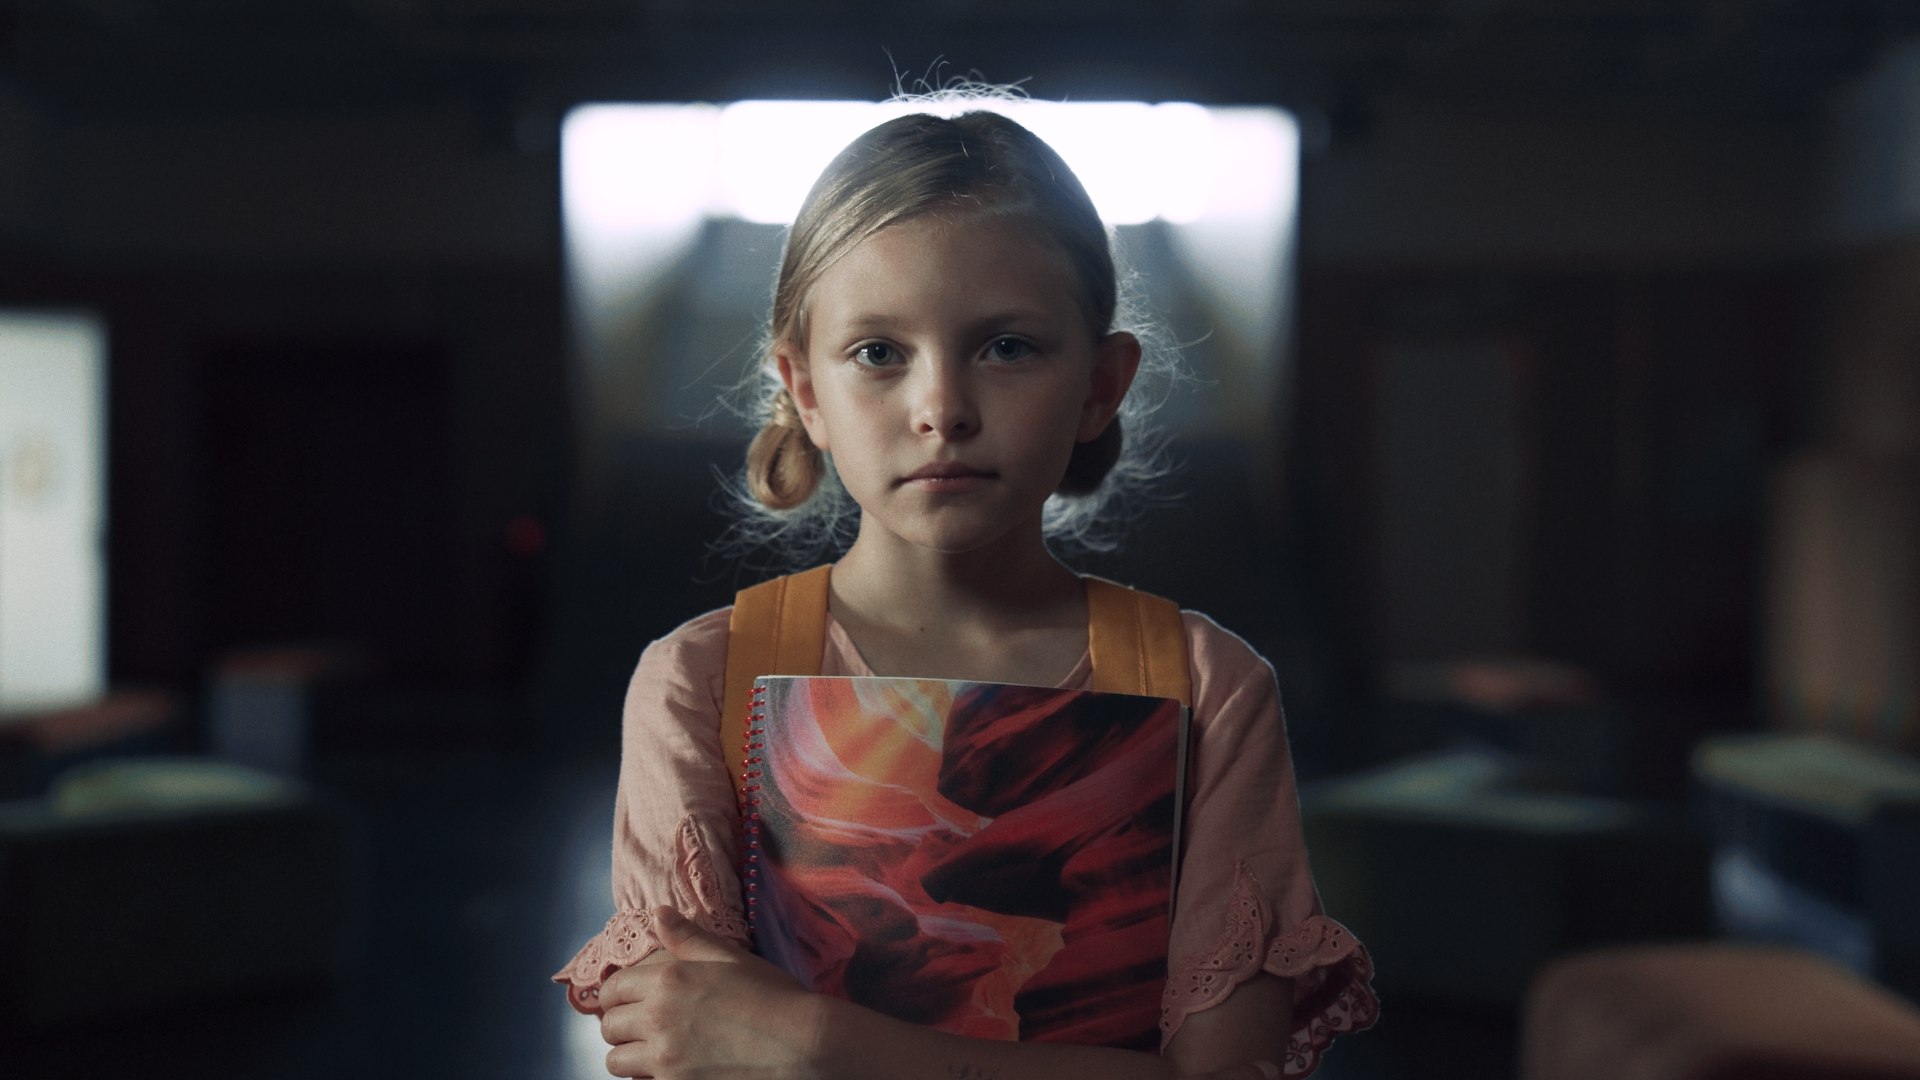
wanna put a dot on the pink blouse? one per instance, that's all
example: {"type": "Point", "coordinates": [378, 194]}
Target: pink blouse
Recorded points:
{"type": "Point", "coordinates": [1246, 903]}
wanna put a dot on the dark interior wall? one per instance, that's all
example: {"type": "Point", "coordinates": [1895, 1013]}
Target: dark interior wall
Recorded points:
{"type": "Point", "coordinates": [1506, 182]}
{"type": "Point", "coordinates": [1652, 405]}
{"type": "Point", "coordinates": [238, 182]}
{"type": "Point", "coordinates": [203, 460]}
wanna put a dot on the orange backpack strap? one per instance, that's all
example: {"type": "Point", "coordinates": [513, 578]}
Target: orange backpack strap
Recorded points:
{"type": "Point", "coordinates": [1137, 641]}
{"type": "Point", "coordinates": [778, 627]}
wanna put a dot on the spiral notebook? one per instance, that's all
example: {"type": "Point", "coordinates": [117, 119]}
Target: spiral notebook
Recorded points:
{"type": "Point", "coordinates": [989, 859]}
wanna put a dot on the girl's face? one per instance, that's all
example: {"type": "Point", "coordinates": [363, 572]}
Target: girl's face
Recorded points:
{"type": "Point", "coordinates": [949, 371]}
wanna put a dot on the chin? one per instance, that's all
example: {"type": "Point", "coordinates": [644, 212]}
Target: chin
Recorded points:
{"type": "Point", "coordinates": [948, 544]}
{"type": "Point", "coordinates": [959, 529]}
{"type": "Point", "coordinates": [962, 540]}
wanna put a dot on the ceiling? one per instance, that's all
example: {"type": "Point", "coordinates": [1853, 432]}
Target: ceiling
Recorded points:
{"type": "Point", "coordinates": [1763, 58]}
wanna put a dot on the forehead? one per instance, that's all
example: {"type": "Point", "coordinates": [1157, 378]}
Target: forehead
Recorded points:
{"type": "Point", "coordinates": [934, 265]}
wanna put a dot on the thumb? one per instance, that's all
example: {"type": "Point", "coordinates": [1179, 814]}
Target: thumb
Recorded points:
{"type": "Point", "coordinates": [685, 939]}
{"type": "Point", "coordinates": [1248, 1070]}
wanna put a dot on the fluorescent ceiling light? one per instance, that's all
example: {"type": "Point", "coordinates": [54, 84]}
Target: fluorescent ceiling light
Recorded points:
{"type": "Point", "coordinates": [640, 168]}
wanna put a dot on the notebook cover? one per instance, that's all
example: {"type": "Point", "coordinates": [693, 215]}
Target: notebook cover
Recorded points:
{"type": "Point", "coordinates": [988, 859]}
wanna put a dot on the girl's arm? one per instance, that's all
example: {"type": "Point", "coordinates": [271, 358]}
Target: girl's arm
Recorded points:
{"type": "Point", "coordinates": [719, 1011]}
{"type": "Point", "coordinates": [675, 821]}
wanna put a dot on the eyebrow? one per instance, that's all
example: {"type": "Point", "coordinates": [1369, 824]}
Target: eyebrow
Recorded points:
{"type": "Point", "coordinates": [880, 323]}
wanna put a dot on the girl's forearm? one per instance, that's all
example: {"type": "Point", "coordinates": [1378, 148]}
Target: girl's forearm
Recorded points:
{"type": "Point", "coordinates": [859, 1044]}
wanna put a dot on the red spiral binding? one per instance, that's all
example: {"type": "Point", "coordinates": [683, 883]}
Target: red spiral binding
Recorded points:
{"type": "Point", "coordinates": [751, 770]}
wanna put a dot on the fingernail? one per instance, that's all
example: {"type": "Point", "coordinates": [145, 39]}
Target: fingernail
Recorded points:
{"type": "Point", "coordinates": [1268, 1069]}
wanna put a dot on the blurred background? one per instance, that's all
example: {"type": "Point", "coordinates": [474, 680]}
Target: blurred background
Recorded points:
{"type": "Point", "coordinates": [1556, 440]}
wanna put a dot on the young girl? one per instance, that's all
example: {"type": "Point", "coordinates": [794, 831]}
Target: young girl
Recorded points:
{"type": "Point", "coordinates": [943, 337]}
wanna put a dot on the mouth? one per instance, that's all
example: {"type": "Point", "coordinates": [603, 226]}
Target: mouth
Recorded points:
{"type": "Point", "coordinates": [949, 476]}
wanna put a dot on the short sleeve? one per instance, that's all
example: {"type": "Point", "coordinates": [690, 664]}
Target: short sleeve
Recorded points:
{"type": "Point", "coordinates": [676, 825]}
{"type": "Point", "coordinates": [1246, 899]}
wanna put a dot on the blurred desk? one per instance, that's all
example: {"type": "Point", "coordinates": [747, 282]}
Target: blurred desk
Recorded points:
{"type": "Point", "coordinates": [1817, 844]}
{"type": "Point", "coordinates": [36, 746]}
{"type": "Point", "coordinates": [190, 878]}
{"type": "Point", "coordinates": [1462, 886]}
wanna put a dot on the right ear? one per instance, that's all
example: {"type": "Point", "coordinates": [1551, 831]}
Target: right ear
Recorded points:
{"type": "Point", "coordinates": [797, 375]}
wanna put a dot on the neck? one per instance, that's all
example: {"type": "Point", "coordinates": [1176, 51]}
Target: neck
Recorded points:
{"type": "Point", "coordinates": [1011, 583]}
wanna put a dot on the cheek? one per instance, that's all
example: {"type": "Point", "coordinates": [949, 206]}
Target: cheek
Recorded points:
{"type": "Point", "coordinates": [1067, 403]}
{"type": "Point", "coordinates": [1049, 426]}
{"type": "Point", "coordinates": [833, 418]}
{"type": "Point", "coordinates": [850, 428]}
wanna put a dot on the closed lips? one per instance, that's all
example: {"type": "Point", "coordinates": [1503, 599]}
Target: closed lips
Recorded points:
{"type": "Point", "coordinates": [946, 472]}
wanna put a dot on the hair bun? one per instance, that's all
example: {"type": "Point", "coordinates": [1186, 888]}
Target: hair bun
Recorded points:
{"type": "Point", "coordinates": [783, 465]}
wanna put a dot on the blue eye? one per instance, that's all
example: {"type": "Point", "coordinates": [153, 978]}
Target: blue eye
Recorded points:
{"type": "Point", "coordinates": [876, 354]}
{"type": "Point", "coordinates": [1009, 348]}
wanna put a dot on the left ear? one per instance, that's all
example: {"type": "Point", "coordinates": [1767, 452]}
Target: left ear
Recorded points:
{"type": "Point", "coordinates": [1116, 358]}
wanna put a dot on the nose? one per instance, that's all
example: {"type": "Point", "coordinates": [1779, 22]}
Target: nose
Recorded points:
{"type": "Point", "coordinates": [943, 401]}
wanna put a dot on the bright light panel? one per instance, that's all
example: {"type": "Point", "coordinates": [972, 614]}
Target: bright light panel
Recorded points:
{"type": "Point", "coordinates": [52, 581]}
{"type": "Point", "coordinates": [637, 168]}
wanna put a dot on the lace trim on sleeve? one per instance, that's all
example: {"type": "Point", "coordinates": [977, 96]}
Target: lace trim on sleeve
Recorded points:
{"type": "Point", "coordinates": [629, 937]}
{"type": "Point", "coordinates": [1332, 994]}
{"type": "Point", "coordinates": [701, 881]}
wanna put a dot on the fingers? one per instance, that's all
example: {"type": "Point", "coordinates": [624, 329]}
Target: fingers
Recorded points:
{"type": "Point", "coordinates": [626, 1024]}
{"type": "Point", "coordinates": [626, 1061]}
{"type": "Point", "coordinates": [687, 941]}
{"type": "Point", "coordinates": [1248, 1070]}
{"type": "Point", "coordinates": [620, 988]}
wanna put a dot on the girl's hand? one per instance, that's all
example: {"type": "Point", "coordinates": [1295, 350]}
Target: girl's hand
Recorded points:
{"type": "Point", "coordinates": [714, 1010]}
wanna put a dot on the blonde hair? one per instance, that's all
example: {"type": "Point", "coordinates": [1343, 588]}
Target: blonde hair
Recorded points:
{"type": "Point", "coordinates": [789, 497]}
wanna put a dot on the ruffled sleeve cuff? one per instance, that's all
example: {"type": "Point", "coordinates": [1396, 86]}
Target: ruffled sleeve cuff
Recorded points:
{"type": "Point", "coordinates": [627, 940]}
{"type": "Point", "coordinates": [1331, 970]}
